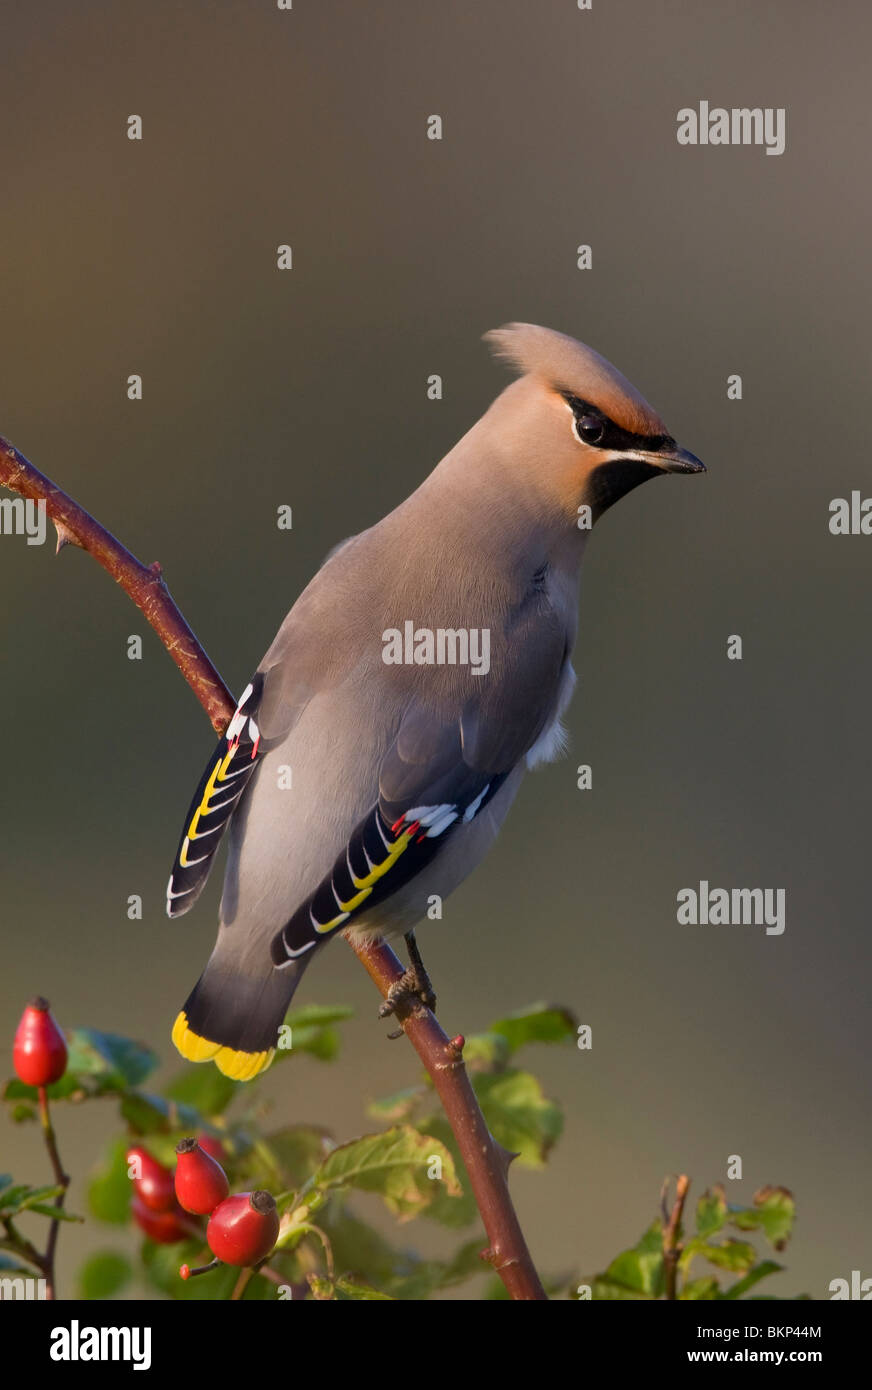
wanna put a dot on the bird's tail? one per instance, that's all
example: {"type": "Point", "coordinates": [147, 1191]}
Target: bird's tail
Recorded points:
{"type": "Point", "coordinates": [234, 1018]}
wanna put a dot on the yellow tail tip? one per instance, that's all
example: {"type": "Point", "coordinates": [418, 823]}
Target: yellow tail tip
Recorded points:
{"type": "Point", "coordinates": [243, 1066]}
{"type": "Point", "coordinates": [192, 1047]}
{"type": "Point", "coordinates": [240, 1066]}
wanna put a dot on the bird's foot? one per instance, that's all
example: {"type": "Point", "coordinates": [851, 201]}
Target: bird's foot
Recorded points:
{"type": "Point", "coordinates": [414, 985]}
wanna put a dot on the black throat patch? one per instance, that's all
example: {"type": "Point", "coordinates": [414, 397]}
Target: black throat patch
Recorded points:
{"type": "Point", "coordinates": [610, 482]}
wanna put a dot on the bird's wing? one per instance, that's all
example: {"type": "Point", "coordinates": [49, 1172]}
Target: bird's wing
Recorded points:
{"type": "Point", "coordinates": [438, 774]}
{"type": "Point", "coordinates": [301, 661]}
{"type": "Point", "coordinates": [224, 779]}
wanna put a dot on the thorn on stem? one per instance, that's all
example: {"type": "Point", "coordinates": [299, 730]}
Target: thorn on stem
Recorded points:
{"type": "Point", "coordinates": [65, 537]}
{"type": "Point", "coordinates": [505, 1156]}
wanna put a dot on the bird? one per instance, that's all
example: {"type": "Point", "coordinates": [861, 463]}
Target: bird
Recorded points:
{"type": "Point", "coordinates": [371, 760]}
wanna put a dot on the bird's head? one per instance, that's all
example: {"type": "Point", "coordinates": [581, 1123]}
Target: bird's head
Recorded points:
{"type": "Point", "coordinates": [578, 423]}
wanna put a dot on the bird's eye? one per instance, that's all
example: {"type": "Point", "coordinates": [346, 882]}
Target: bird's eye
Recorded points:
{"type": "Point", "coordinates": [589, 428]}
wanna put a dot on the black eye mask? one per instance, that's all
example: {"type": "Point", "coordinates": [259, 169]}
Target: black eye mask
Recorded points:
{"type": "Point", "coordinates": [613, 437]}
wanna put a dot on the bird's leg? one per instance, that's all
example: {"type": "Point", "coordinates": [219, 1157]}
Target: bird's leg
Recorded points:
{"type": "Point", "coordinates": [423, 984]}
{"type": "Point", "coordinates": [414, 983]}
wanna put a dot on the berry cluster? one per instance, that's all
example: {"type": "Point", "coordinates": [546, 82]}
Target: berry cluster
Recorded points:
{"type": "Point", "coordinates": [242, 1228]}
{"type": "Point", "coordinates": [155, 1209]}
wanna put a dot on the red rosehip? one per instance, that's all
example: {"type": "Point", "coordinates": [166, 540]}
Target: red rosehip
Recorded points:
{"type": "Point", "coordinates": [201, 1182]}
{"type": "Point", "coordinates": [164, 1227]}
{"type": "Point", "coordinates": [152, 1182]}
{"type": "Point", "coordinates": [210, 1145]}
{"type": "Point", "coordinates": [39, 1053]}
{"type": "Point", "coordinates": [244, 1228]}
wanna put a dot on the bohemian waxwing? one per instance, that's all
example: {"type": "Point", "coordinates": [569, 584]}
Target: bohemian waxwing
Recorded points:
{"type": "Point", "coordinates": [382, 739]}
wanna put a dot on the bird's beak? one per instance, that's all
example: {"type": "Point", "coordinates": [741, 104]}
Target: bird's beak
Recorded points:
{"type": "Point", "coordinates": [668, 460]}
{"type": "Point", "coordinates": [675, 461]}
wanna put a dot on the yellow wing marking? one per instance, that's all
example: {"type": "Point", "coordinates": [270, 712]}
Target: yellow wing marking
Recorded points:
{"type": "Point", "coordinates": [379, 870]}
{"type": "Point", "coordinates": [355, 901]}
{"type": "Point", "coordinates": [367, 884]}
{"type": "Point", "coordinates": [218, 775]}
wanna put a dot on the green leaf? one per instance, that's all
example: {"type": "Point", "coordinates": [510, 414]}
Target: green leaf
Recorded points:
{"type": "Point", "coordinates": [364, 1252]}
{"type": "Point", "coordinates": [777, 1211]}
{"type": "Point", "coordinates": [257, 1290]}
{"type": "Point", "coordinates": [162, 1264]}
{"type": "Point", "coordinates": [312, 1031]}
{"type": "Point", "coordinates": [117, 1063]}
{"type": "Point", "coordinates": [486, 1052]}
{"type": "Point", "coordinates": [544, 1023]}
{"type": "Point", "coordinates": [705, 1288]}
{"type": "Point", "coordinates": [56, 1213]}
{"type": "Point", "coordinates": [23, 1197]}
{"type": "Point", "coordinates": [603, 1288]}
{"type": "Point", "coordinates": [103, 1274]}
{"type": "Point", "coordinates": [349, 1289]}
{"type": "Point", "coordinates": [394, 1164]}
{"type": "Point", "coordinates": [773, 1211]}
{"type": "Point", "coordinates": [495, 1291]}
{"type": "Point", "coordinates": [22, 1112]}
{"type": "Point", "coordinates": [286, 1159]}
{"type": "Point", "coordinates": [518, 1114]}
{"type": "Point", "coordinates": [734, 1255]}
{"type": "Point", "coordinates": [398, 1106]}
{"type": "Point", "coordinates": [711, 1212]}
{"type": "Point", "coordinates": [9, 1265]}
{"type": "Point", "coordinates": [162, 1144]}
{"type": "Point", "coordinates": [760, 1271]}
{"type": "Point", "coordinates": [5, 1180]}
{"type": "Point", "coordinates": [360, 1250]}
{"type": "Point", "coordinates": [10, 1195]}
{"type": "Point", "coordinates": [449, 1210]}
{"type": "Point", "coordinates": [141, 1115]}
{"type": "Point", "coordinates": [110, 1189]}
{"type": "Point", "coordinates": [69, 1085]}
{"type": "Point", "coordinates": [464, 1262]}
{"type": "Point", "coordinates": [39, 1194]}
{"type": "Point", "coordinates": [205, 1088]}
{"type": "Point", "coordinates": [640, 1270]}
{"type": "Point", "coordinates": [429, 1276]}
{"type": "Point", "coordinates": [151, 1114]}
{"type": "Point", "coordinates": [318, 1015]}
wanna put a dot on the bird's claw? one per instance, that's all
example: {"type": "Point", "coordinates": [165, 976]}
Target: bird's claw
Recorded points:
{"type": "Point", "coordinates": [413, 986]}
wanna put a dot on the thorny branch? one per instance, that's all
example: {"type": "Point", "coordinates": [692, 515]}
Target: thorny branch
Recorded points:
{"type": "Point", "coordinates": [486, 1161]}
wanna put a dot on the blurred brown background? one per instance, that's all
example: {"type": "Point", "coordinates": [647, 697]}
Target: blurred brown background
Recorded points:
{"type": "Point", "coordinates": [309, 388]}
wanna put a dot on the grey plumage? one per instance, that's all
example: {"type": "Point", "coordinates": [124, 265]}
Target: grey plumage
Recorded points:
{"type": "Point", "coordinates": [490, 542]}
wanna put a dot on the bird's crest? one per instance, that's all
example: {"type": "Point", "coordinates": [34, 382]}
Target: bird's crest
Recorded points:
{"type": "Point", "coordinates": [567, 365]}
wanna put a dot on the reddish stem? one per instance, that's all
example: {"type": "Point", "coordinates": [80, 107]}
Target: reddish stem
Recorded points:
{"type": "Point", "coordinates": [486, 1161]}
{"type": "Point", "coordinates": [61, 1178]}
